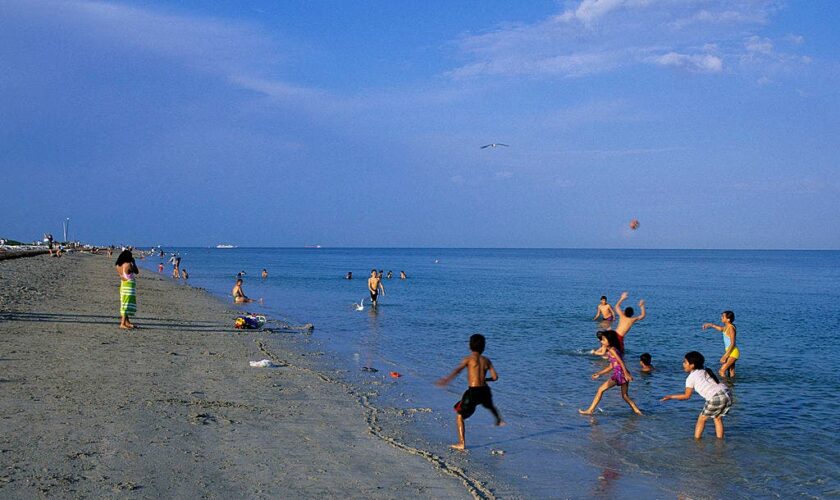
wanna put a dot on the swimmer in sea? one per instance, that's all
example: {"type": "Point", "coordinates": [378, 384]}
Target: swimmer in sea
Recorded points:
{"type": "Point", "coordinates": [375, 286]}
{"type": "Point", "coordinates": [238, 295]}
{"type": "Point", "coordinates": [264, 274]}
{"type": "Point", "coordinates": [604, 310]}
{"type": "Point", "coordinates": [626, 320]}
{"type": "Point", "coordinates": [731, 352]}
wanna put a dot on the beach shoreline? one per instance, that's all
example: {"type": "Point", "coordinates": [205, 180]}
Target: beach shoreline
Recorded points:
{"type": "Point", "coordinates": [173, 408]}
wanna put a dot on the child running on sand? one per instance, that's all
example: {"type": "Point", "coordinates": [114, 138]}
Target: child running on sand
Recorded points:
{"type": "Point", "coordinates": [478, 393]}
{"type": "Point", "coordinates": [717, 395]}
{"type": "Point", "coordinates": [604, 310]}
{"type": "Point", "coordinates": [620, 375]}
{"type": "Point", "coordinates": [731, 352]}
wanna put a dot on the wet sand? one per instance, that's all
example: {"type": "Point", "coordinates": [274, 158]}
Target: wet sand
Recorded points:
{"type": "Point", "coordinates": [173, 408]}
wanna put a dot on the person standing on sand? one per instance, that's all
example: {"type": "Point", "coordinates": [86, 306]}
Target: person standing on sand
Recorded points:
{"type": "Point", "coordinates": [127, 269]}
{"type": "Point", "coordinates": [375, 286]}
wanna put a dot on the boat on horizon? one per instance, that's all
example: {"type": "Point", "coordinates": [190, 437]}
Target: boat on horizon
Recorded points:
{"type": "Point", "coordinates": [223, 245]}
{"type": "Point", "coordinates": [311, 246]}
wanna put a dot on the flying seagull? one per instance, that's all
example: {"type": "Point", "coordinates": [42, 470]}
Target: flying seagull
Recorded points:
{"type": "Point", "coordinates": [494, 145]}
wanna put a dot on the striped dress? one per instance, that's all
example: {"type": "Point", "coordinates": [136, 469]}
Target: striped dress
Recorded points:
{"type": "Point", "coordinates": [128, 295]}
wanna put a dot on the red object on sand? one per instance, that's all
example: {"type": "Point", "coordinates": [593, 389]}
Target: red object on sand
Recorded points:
{"type": "Point", "coordinates": [395, 375]}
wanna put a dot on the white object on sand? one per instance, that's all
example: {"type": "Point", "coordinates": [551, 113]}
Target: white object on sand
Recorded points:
{"type": "Point", "coordinates": [264, 363]}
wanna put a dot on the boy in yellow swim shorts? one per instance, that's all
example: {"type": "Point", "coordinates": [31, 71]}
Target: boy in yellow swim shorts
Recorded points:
{"type": "Point", "coordinates": [731, 352]}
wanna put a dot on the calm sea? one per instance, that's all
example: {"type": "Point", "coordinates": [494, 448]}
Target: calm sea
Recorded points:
{"type": "Point", "coordinates": [535, 307]}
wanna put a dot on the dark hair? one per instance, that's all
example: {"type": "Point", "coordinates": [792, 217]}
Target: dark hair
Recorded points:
{"type": "Point", "coordinates": [612, 340]}
{"type": "Point", "coordinates": [729, 315]}
{"type": "Point", "coordinates": [123, 257]}
{"type": "Point", "coordinates": [645, 358]}
{"type": "Point", "coordinates": [373, 270]}
{"type": "Point", "coordinates": [628, 311]}
{"type": "Point", "coordinates": [697, 360]}
{"type": "Point", "coordinates": [603, 297]}
{"type": "Point", "coordinates": [477, 343]}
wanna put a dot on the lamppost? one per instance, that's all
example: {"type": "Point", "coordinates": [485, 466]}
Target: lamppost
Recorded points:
{"type": "Point", "coordinates": [66, 227]}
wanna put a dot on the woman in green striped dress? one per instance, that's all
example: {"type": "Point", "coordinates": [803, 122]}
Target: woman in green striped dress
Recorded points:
{"type": "Point", "coordinates": [127, 269]}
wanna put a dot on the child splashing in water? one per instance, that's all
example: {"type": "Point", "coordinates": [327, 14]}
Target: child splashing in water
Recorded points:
{"type": "Point", "coordinates": [731, 352]}
{"type": "Point", "coordinates": [620, 375]}
{"type": "Point", "coordinates": [717, 395]}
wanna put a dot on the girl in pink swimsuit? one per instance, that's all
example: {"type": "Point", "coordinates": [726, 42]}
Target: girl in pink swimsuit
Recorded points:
{"type": "Point", "coordinates": [620, 375]}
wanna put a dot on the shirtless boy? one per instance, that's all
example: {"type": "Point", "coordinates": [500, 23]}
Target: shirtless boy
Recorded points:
{"type": "Point", "coordinates": [604, 310]}
{"type": "Point", "coordinates": [375, 286]}
{"type": "Point", "coordinates": [478, 393]}
{"type": "Point", "coordinates": [626, 320]}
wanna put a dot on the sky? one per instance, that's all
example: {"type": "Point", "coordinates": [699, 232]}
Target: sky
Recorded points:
{"type": "Point", "coordinates": [261, 123]}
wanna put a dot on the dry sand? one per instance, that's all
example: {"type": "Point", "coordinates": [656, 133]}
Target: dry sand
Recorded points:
{"type": "Point", "coordinates": [173, 409]}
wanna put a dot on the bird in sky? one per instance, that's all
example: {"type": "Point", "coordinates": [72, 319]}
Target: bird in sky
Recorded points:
{"type": "Point", "coordinates": [494, 145]}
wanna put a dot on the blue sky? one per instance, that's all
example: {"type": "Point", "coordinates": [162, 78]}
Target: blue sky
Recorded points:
{"type": "Point", "coordinates": [715, 123]}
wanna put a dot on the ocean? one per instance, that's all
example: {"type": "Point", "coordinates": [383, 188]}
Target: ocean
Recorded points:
{"type": "Point", "coordinates": [535, 308]}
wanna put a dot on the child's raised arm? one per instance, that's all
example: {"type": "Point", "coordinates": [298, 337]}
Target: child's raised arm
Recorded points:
{"type": "Point", "coordinates": [458, 369]}
{"type": "Point", "coordinates": [618, 310]}
{"type": "Point", "coordinates": [644, 312]}
{"type": "Point", "coordinates": [681, 397]}
{"type": "Point", "coordinates": [712, 325]}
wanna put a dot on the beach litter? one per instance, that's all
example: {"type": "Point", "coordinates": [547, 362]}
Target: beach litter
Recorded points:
{"type": "Point", "coordinates": [263, 363]}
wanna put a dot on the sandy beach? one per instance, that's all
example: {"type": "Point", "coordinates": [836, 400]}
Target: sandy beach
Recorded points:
{"type": "Point", "coordinates": [173, 409]}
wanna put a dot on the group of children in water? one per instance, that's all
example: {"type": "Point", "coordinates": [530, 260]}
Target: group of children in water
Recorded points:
{"type": "Point", "coordinates": [700, 379]}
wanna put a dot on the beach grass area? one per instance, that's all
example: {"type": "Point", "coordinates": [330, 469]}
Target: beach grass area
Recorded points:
{"type": "Point", "coordinates": [173, 409]}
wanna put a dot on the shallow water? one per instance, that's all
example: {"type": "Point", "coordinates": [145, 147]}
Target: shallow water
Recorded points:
{"type": "Point", "coordinates": [535, 308]}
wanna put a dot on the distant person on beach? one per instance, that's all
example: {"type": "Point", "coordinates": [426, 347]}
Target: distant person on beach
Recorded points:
{"type": "Point", "coordinates": [731, 352]}
{"type": "Point", "coordinates": [477, 393]}
{"type": "Point", "coordinates": [264, 274]}
{"type": "Point", "coordinates": [375, 286]}
{"type": "Point", "coordinates": [717, 395]}
{"type": "Point", "coordinates": [402, 275]}
{"type": "Point", "coordinates": [127, 269]}
{"type": "Point", "coordinates": [389, 275]}
{"type": "Point", "coordinates": [238, 295]}
{"type": "Point", "coordinates": [620, 375]}
{"type": "Point", "coordinates": [349, 275]}
{"type": "Point", "coordinates": [160, 268]}
{"type": "Point", "coordinates": [645, 365]}
{"type": "Point", "coordinates": [604, 310]}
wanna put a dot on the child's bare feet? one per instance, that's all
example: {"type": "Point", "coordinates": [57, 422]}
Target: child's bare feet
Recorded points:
{"type": "Point", "coordinates": [458, 446]}
{"type": "Point", "coordinates": [585, 412]}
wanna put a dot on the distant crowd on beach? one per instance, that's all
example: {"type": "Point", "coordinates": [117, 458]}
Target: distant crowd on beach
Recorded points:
{"type": "Point", "coordinates": [480, 370]}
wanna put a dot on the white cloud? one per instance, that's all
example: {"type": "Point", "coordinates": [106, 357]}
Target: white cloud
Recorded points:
{"type": "Point", "coordinates": [795, 39]}
{"type": "Point", "coordinates": [589, 37]}
{"type": "Point", "coordinates": [758, 44]}
{"type": "Point", "coordinates": [701, 63]}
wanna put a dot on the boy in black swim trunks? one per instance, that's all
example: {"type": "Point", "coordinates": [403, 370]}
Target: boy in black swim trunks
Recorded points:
{"type": "Point", "coordinates": [478, 393]}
